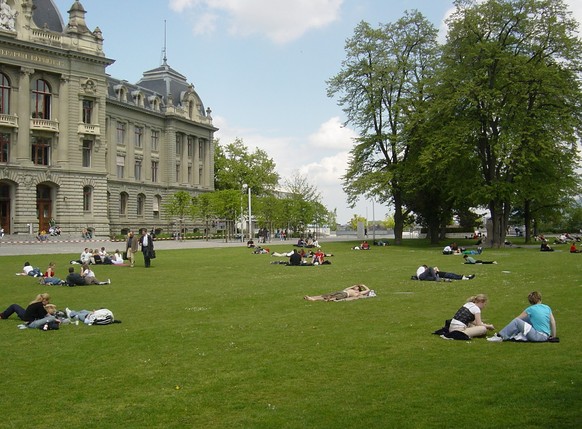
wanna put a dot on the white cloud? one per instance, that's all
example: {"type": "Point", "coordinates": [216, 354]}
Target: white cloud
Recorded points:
{"type": "Point", "coordinates": [332, 134]}
{"type": "Point", "coordinates": [281, 21]}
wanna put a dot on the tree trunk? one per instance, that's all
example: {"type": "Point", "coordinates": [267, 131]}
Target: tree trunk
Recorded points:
{"type": "Point", "coordinates": [398, 218]}
{"type": "Point", "coordinates": [527, 220]}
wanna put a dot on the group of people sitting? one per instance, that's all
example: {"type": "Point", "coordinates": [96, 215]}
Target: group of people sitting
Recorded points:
{"type": "Point", "coordinates": [455, 249]}
{"type": "Point", "coordinates": [364, 245]}
{"type": "Point", "coordinates": [303, 258]}
{"type": "Point", "coordinates": [84, 277]}
{"type": "Point", "coordinates": [41, 314]}
{"type": "Point", "coordinates": [536, 323]}
{"type": "Point", "coordinates": [99, 256]}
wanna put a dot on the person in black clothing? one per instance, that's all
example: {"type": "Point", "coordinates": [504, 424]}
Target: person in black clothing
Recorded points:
{"type": "Point", "coordinates": [34, 311]}
{"type": "Point", "coordinates": [295, 258]}
{"type": "Point", "coordinates": [147, 247]}
{"type": "Point", "coordinates": [75, 279]}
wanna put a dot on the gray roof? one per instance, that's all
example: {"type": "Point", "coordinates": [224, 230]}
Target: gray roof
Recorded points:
{"type": "Point", "coordinates": [46, 14]}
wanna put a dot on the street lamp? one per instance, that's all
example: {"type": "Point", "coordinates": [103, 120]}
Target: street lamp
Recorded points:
{"type": "Point", "coordinates": [242, 235]}
{"type": "Point", "coordinates": [251, 235]}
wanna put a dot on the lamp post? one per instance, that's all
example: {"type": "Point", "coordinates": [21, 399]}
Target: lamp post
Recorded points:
{"type": "Point", "coordinates": [242, 222]}
{"type": "Point", "coordinates": [250, 216]}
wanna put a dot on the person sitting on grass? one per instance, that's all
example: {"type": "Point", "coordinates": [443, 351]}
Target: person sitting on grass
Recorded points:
{"type": "Point", "coordinates": [545, 247]}
{"type": "Point", "coordinates": [471, 260]}
{"type": "Point", "coordinates": [295, 259]}
{"type": "Point", "coordinates": [34, 311]}
{"type": "Point", "coordinates": [348, 294]}
{"type": "Point", "coordinates": [49, 276]}
{"type": "Point", "coordinates": [468, 320]}
{"type": "Point", "coordinates": [89, 277]}
{"type": "Point", "coordinates": [573, 248]}
{"type": "Point", "coordinates": [536, 323]}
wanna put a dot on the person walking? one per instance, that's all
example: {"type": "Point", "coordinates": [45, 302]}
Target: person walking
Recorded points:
{"type": "Point", "coordinates": [132, 247]}
{"type": "Point", "coordinates": [147, 247]}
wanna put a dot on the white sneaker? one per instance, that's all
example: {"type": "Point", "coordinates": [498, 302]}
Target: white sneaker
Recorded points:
{"type": "Point", "coordinates": [68, 312]}
{"type": "Point", "coordinates": [445, 338]}
{"type": "Point", "coordinates": [108, 281]}
{"type": "Point", "coordinates": [22, 326]}
{"type": "Point", "coordinates": [495, 339]}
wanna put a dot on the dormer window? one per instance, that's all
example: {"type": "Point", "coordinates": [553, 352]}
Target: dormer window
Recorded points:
{"type": "Point", "coordinates": [121, 92]}
{"type": "Point", "coordinates": [138, 98]}
{"type": "Point", "coordinates": [154, 103]}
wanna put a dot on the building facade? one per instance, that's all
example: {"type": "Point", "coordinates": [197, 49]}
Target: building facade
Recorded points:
{"type": "Point", "coordinates": [81, 149]}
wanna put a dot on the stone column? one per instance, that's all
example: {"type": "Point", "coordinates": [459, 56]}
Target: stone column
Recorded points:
{"type": "Point", "coordinates": [195, 161]}
{"type": "Point", "coordinates": [23, 154]}
{"type": "Point", "coordinates": [61, 143]}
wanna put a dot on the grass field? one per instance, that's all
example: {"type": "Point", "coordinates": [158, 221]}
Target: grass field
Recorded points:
{"type": "Point", "coordinates": [221, 338]}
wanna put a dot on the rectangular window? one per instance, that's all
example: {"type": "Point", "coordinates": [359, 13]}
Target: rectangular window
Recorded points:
{"type": "Point", "coordinates": [138, 136]}
{"type": "Point", "coordinates": [178, 173]}
{"type": "Point", "coordinates": [138, 169]}
{"type": "Point", "coordinates": [189, 174]}
{"type": "Point", "coordinates": [120, 133]}
{"type": "Point", "coordinates": [4, 147]}
{"type": "Point", "coordinates": [178, 144]}
{"type": "Point", "coordinates": [120, 167]}
{"type": "Point", "coordinates": [155, 140]}
{"type": "Point", "coordinates": [155, 166]}
{"type": "Point", "coordinates": [87, 197]}
{"type": "Point", "coordinates": [200, 150]}
{"type": "Point", "coordinates": [87, 111]}
{"type": "Point", "coordinates": [87, 152]}
{"type": "Point", "coordinates": [156, 207]}
{"type": "Point", "coordinates": [41, 150]}
{"type": "Point", "coordinates": [190, 146]}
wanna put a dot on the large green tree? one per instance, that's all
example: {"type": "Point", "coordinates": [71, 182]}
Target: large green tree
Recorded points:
{"type": "Point", "coordinates": [235, 165]}
{"type": "Point", "coordinates": [380, 85]}
{"type": "Point", "coordinates": [509, 103]}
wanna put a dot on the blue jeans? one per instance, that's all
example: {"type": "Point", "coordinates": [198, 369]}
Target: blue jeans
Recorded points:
{"type": "Point", "coordinates": [80, 315]}
{"type": "Point", "coordinates": [39, 322]}
{"type": "Point", "coordinates": [516, 326]}
{"type": "Point", "coordinates": [14, 308]}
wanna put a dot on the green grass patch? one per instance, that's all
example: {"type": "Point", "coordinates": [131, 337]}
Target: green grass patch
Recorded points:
{"type": "Point", "coordinates": [220, 338]}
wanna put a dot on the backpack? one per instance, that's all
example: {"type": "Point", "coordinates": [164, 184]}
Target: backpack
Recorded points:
{"type": "Point", "coordinates": [103, 317]}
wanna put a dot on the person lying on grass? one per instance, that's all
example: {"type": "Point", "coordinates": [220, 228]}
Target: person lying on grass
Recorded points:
{"type": "Point", "coordinates": [348, 294]}
{"type": "Point", "coordinates": [471, 260]}
{"type": "Point", "coordinates": [536, 323]}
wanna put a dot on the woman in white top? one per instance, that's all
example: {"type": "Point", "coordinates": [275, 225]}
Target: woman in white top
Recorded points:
{"type": "Point", "coordinates": [468, 318]}
{"type": "Point", "coordinates": [117, 259]}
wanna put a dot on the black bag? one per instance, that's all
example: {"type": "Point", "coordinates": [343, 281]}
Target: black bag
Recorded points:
{"type": "Point", "coordinates": [153, 254]}
{"type": "Point", "coordinates": [50, 326]}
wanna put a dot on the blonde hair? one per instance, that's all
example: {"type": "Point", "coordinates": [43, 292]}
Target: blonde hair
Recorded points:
{"type": "Point", "coordinates": [478, 298]}
{"type": "Point", "coordinates": [50, 308]}
{"type": "Point", "coordinates": [41, 297]}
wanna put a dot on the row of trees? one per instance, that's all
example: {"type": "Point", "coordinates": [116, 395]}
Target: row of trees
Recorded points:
{"type": "Point", "coordinates": [491, 118]}
{"type": "Point", "coordinates": [294, 208]}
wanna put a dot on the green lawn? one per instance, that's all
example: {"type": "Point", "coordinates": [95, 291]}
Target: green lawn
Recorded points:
{"type": "Point", "coordinates": [221, 338]}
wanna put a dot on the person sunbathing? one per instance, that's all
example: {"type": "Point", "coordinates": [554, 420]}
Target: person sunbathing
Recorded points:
{"type": "Point", "coordinates": [348, 294]}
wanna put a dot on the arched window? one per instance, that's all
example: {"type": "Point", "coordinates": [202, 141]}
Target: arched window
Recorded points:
{"type": "Point", "coordinates": [140, 204]}
{"type": "Point", "coordinates": [123, 199]}
{"type": "Point", "coordinates": [41, 99]}
{"type": "Point", "coordinates": [4, 94]}
{"type": "Point", "coordinates": [156, 205]}
{"type": "Point", "coordinates": [87, 199]}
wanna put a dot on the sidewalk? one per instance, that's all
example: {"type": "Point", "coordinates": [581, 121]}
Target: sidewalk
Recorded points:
{"type": "Point", "coordinates": [35, 247]}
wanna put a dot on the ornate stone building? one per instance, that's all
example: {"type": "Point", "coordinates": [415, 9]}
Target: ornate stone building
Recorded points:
{"type": "Point", "coordinates": [82, 148]}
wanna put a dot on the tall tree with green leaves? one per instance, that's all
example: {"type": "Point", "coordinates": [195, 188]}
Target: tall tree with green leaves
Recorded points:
{"type": "Point", "coordinates": [380, 85]}
{"type": "Point", "coordinates": [179, 207]}
{"type": "Point", "coordinates": [509, 101]}
{"type": "Point", "coordinates": [235, 166]}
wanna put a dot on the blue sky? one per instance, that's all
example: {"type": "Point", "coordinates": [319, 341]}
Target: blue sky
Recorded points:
{"type": "Point", "coordinates": [261, 66]}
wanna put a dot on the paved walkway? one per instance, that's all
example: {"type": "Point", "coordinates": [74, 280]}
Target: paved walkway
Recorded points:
{"type": "Point", "coordinates": [76, 246]}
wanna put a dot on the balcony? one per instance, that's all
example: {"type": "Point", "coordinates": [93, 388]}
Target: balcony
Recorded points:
{"type": "Point", "coordinates": [90, 129]}
{"type": "Point", "coordinates": [38, 124]}
{"type": "Point", "coordinates": [8, 120]}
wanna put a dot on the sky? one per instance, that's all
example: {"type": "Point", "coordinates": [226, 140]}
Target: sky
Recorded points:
{"type": "Point", "coordinates": [262, 67]}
